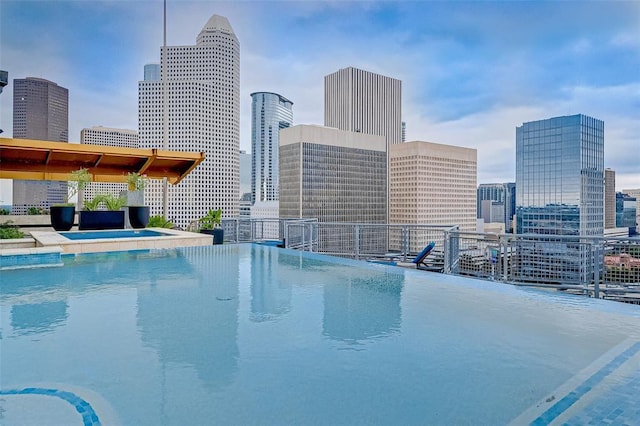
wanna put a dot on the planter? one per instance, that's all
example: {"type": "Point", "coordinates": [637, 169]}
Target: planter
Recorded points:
{"type": "Point", "coordinates": [62, 217]}
{"type": "Point", "coordinates": [218, 234]}
{"type": "Point", "coordinates": [101, 219]}
{"type": "Point", "coordinates": [138, 216]}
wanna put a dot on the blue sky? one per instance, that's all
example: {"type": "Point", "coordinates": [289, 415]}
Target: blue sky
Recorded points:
{"type": "Point", "coordinates": [471, 71]}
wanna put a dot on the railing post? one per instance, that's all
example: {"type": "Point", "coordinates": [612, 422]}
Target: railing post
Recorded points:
{"type": "Point", "coordinates": [596, 271]}
{"type": "Point", "coordinates": [447, 256]}
{"type": "Point", "coordinates": [405, 242]}
{"type": "Point", "coordinates": [506, 256]}
{"type": "Point", "coordinates": [356, 240]}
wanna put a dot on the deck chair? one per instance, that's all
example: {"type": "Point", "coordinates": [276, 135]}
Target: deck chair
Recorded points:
{"type": "Point", "coordinates": [419, 260]}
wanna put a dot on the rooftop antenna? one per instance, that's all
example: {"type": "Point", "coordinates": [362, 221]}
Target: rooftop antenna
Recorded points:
{"type": "Point", "coordinates": [165, 120]}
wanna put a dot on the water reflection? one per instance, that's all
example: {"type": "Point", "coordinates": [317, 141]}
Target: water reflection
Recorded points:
{"type": "Point", "coordinates": [38, 317]}
{"type": "Point", "coordinates": [363, 305]}
{"type": "Point", "coordinates": [270, 293]}
{"type": "Point", "coordinates": [198, 327]}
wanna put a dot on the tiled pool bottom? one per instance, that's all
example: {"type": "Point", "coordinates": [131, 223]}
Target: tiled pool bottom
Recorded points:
{"type": "Point", "coordinates": [248, 334]}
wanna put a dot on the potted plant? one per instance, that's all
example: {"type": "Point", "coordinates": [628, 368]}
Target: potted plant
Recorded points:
{"type": "Point", "coordinates": [92, 218]}
{"type": "Point", "coordinates": [63, 215]}
{"type": "Point", "coordinates": [159, 222]}
{"type": "Point", "coordinates": [137, 212]}
{"type": "Point", "coordinates": [210, 224]}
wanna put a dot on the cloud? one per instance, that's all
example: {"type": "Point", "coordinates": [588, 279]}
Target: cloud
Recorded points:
{"type": "Point", "coordinates": [471, 71]}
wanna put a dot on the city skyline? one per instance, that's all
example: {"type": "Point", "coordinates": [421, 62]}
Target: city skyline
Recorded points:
{"type": "Point", "coordinates": [471, 72]}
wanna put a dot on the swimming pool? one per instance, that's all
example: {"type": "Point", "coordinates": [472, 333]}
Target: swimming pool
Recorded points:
{"type": "Point", "coordinates": [120, 233]}
{"type": "Point", "coordinates": [252, 334]}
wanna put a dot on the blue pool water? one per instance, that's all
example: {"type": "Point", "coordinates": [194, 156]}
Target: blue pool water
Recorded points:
{"type": "Point", "coordinates": [120, 233]}
{"type": "Point", "coordinates": [253, 334]}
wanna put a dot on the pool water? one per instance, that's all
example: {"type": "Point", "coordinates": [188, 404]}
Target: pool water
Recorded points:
{"type": "Point", "coordinates": [253, 334]}
{"type": "Point", "coordinates": [120, 233]}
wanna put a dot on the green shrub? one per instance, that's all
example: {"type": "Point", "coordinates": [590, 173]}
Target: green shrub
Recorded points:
{"type": "Point", "coordinates": [9, 231]}
{"type": "Point", "coordinates": [159, 222]}
{"type": "Point", "coordinates": [35, 211]}
{"type": "Point", "coordinates": [93, 204]}
{"type": "Point", "coordinates": [211, 220]}
{"type": "Point", "coordinates": [114, 202]}
{"type": "Point", "coordinates": [4, 212]}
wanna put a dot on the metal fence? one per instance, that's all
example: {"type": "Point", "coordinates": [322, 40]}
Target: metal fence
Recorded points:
{"type": "Point", "coordinates": [594, 266]}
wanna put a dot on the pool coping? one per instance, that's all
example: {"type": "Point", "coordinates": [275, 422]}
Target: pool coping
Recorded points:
{"type": "Point", "coordinates": [174, 239]}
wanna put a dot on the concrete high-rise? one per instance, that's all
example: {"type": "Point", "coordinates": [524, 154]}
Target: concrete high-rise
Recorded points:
{"type": "Point", "coordinates": [364, 102]}
{"type": "Point", "coordinates": [270, 113]}
{"type": "Point", "coordinates": [560, 176]}
{"type": "Point", "coordinates": [203, 112]}
{"type": "Point", "coordinates": [107, 136]}
{"type": "Point", "coordinates": [41, 112]}
{"type": "Point", "coordinates": [433, 184]}
{"type": "Point", "coordinates": [332, 175]}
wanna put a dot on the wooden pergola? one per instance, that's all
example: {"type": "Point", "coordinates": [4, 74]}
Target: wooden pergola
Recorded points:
{"type": "Point", "coordinates": [43, 160]}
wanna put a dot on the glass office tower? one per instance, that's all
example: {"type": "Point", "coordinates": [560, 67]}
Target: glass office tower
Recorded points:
{"type": "Point", "coordinates": [560, 175]}
{"type": "Point", "coordinates": [270, 113]}
{"type": "Point", "coordinates": [559, 192]}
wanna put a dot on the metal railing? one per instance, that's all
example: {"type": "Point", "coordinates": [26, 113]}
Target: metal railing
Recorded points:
{"type": "Point", "coordinates": [595, 266]}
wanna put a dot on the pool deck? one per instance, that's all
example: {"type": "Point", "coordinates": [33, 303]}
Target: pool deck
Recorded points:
{"type": "Point", "coordinates": [174, 239]}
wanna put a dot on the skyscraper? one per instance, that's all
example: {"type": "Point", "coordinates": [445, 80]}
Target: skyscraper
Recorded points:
{"type": "Point", "coordinates": [364, 102]}
{"type": "Point", "coordinates": [41, 112]}
{"type": "Point", "coordinates": [635, 193]}
{"type": "Point", "coordinates": [433, 184]}
{"type": "Point", "coordinates": [203, 113]}
{"type": "Point", "coordinates": [560, 175]}
{"type": "Point", "coordinates": [626, 208]}
{"type": "Point", "coordinates": [502, 194]}
{"type": "Point", "coordinates": [106, 136]}
{"type": "Point", "coordinates": [270, 113]}
{"type": "Point", "coordinates": [332, 175]}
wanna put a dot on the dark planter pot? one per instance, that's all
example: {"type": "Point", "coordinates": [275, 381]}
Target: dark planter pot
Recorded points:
{"type": "Point", "coordinates": [62, 217]}
{"type": "Point", "coordinates": [218, 234]}
{"type": "Point", "coordinates": [138, 216]}
{"type": "Point", "coordinates": [101, 219]}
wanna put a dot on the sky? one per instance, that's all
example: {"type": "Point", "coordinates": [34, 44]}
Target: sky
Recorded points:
{"type": "Point", "coordinates": [471, 71]}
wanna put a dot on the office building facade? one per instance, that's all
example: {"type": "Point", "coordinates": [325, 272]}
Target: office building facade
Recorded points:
{"type": "Point", "coordinates": [270, 113]}
{"type": "Point", "coordinates": [560, 175]}
{"type": "Point", "coordinates": [433, 184]}
{"type": "Point", "coordinates": [107, 136]}
{"type": "Point", "coordinates": [499, 195]}
{"type": "Point", "coordinates": [626, 211]}
{"type": "Point", "coordinates": [559, 191]}
{"type": "Point", "coordinates": [41, 112]}
{"type": "Point", "coordinates": [326, 174]}
{"type": "Point", "coordinates": [203, 113]}
{"type": "Point", "coordinates": [635, 193]}
{"type": "Point", "coordinates": [364, 102]}
{"type": "Point", "coordinates": [609, 199]}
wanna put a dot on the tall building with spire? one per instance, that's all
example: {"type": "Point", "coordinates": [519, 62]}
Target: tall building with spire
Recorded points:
{"type": "Point", "coordinates": [41, 112]}
{"type": "Point", "coordinates": [203, 112]}
{"type": "Point", "coordinates": [270, 113]}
